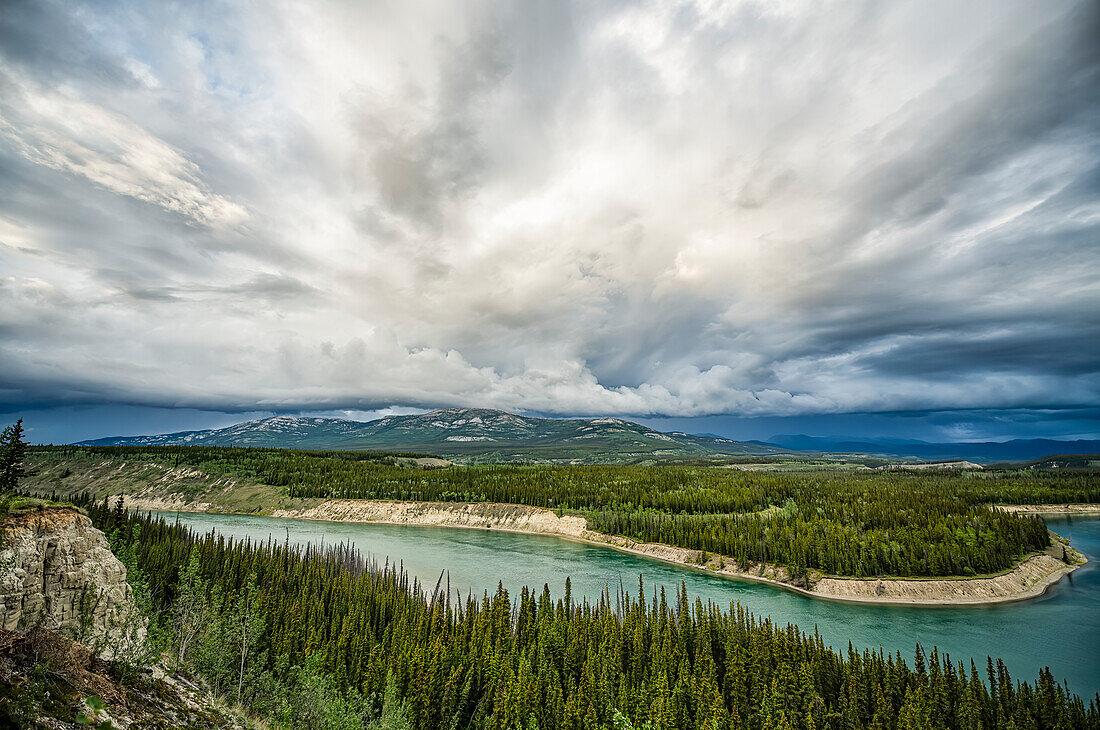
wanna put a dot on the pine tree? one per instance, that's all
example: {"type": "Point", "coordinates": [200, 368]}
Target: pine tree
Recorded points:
{"type": "Point", "coordinates": [12, 452]}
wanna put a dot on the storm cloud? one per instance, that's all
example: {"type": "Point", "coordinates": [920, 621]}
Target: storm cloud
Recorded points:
{"type": "Point", "coordinates": [665, 208]}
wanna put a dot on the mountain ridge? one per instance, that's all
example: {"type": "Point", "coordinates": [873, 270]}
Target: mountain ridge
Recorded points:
{"type": "Point", "coordinates": [985, 451]}
{"type": "Point", "coordinates": [471, 434]}
{"type": "Point", "coordinates": [488, 435]}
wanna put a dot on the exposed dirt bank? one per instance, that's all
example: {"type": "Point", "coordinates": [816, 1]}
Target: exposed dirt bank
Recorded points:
{"type": "Point", "coordinates": [1031, 578]}
{"type": "Point", "coordinates": [513, 517]}
{"type": "Point", "coordinates": [1053, 509]}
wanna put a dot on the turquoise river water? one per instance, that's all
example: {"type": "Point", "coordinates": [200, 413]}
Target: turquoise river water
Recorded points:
{"type": "Point", "coordinates": [1060, 630]}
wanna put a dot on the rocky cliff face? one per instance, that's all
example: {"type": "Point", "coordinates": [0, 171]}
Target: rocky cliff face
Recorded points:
{"type": "Point", "coordinates": [57, 572]}
{"type": "Point", "coordinates": [59, 577]}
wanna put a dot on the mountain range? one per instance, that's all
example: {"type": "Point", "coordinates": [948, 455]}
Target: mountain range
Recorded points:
{"type": "Point", "coordinates": [986, 451]}
{"type": "Point", "coordinates": [469, 434]}
{"type": "Point", "coordinates": [485, 435]}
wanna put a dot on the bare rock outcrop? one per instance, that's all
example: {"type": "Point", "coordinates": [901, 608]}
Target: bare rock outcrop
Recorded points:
{"type": "Point", "coordinates": [57, 572]}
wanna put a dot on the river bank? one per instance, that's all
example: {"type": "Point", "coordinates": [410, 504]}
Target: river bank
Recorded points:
{"type": "Point", "coordinates": [1070, 510]}
{"type": "Point", "coordinates": [1030, 578]}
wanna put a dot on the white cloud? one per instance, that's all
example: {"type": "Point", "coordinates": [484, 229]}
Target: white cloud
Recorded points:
{"type": "Point", "coordinates": [689, 208]}
{"type": "Point", "coordinates": [56, 130]}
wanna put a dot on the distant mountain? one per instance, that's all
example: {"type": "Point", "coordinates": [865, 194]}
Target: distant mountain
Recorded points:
{"type": "Point", "coordinates": [469, 434]}
{"type": "Point", "coordinates": [1065, 461]}
{"type": "Point", "coordinates": [986, 451]}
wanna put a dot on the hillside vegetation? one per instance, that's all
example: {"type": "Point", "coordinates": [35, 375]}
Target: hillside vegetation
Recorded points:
{"type": "Point", "coordinates": [252, 619]}
{"type": "Point", "coordinates": [852, 524]}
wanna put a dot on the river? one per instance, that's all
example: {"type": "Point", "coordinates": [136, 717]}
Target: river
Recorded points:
{"type": "Point", "coordinates": [1060, 630]}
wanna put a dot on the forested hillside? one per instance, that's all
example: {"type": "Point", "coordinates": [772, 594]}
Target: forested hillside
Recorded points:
{"type": "Point", "coordinates": [323, 640]}
{"type": "Point", "coordinates": [859, 524]}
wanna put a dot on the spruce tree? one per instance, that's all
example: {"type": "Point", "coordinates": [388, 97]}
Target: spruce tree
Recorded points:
{"type": "Point", "coordinates": [11, 457]}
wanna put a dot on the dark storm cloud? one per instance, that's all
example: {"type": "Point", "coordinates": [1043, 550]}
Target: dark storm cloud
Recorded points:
{"type": "Point", "coordinates": [55, 44]}
{"type": "Point", "coordinates": [1026, 349]}
{"type": "Point", "coordinates": [669, 208]}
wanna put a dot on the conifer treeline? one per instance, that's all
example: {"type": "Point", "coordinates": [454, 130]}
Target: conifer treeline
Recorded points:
{"type": "Point", "coordinates": [858, 524]}
{"type": "Point", "coordinates": [535, 662]}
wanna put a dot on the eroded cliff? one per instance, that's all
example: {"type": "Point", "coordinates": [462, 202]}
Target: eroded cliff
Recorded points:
{"type": "Point", "coordinates": [57, 572]}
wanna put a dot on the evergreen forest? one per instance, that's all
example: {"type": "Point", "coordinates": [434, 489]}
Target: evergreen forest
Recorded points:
{"type": "Point", "coordinates": [325, 639]}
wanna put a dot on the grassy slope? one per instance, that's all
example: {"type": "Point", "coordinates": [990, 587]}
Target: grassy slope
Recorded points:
{"type": "Point", "coordinates": [69, 477]}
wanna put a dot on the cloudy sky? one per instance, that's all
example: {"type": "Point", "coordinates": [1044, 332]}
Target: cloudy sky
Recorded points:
{"type": "Point", "coordinates": [682, 210]}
